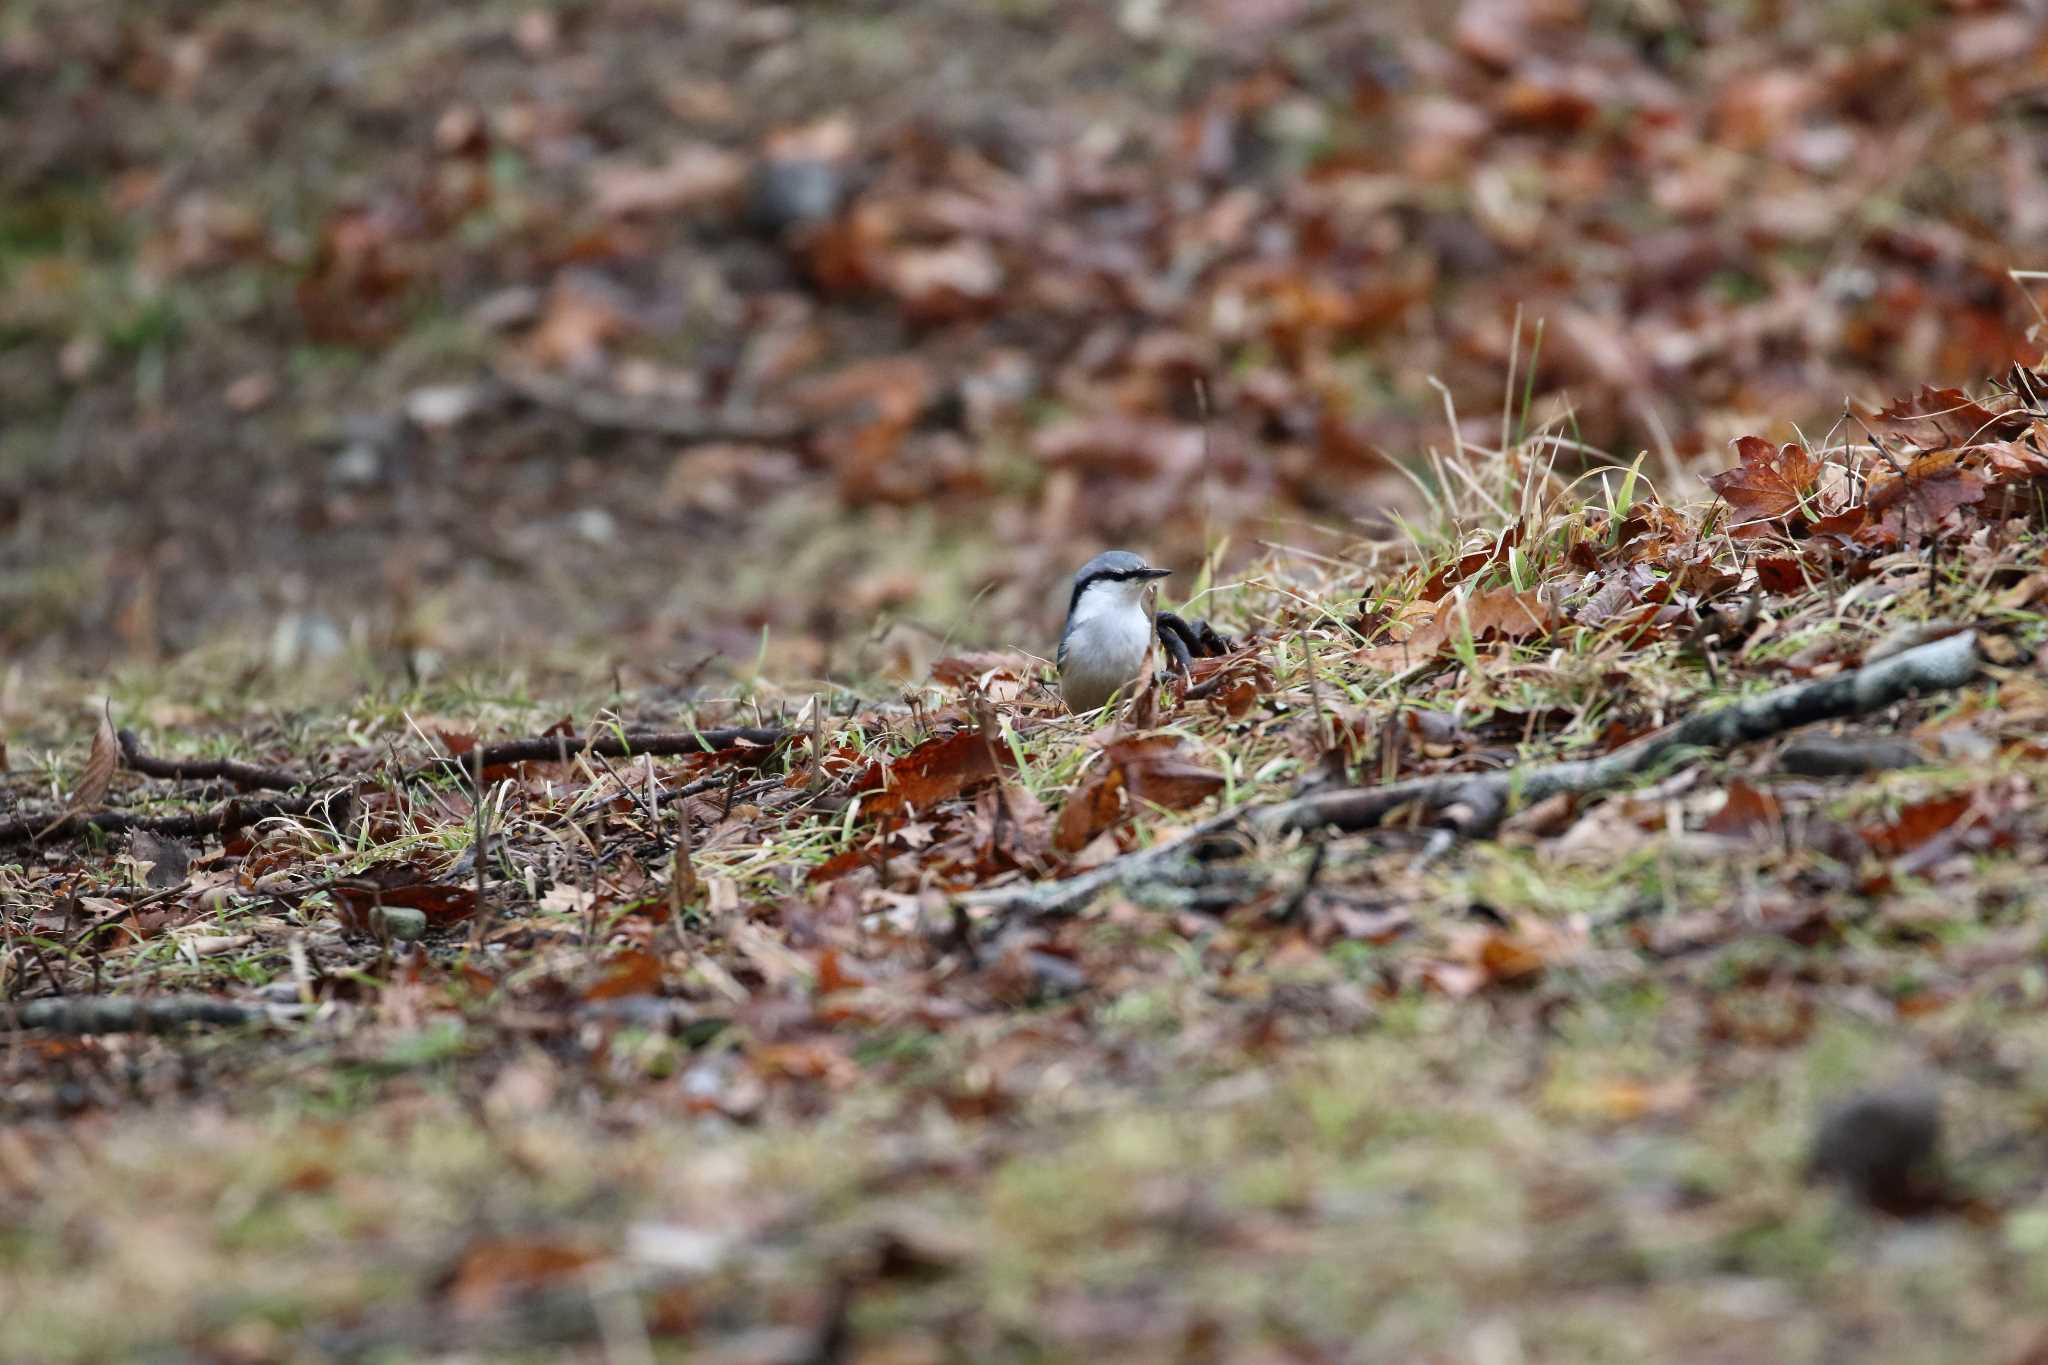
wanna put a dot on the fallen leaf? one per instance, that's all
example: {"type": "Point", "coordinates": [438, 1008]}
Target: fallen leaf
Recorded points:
{"type": "Point", "coordinates": [1782, 574]}
{"type": "Point", "coordinates": [1092, 807]}
{"type": "Point", "coordinates": [1745, 813]}
{"type": "Point", "coordinates": [932, 772]}
{"type": "Point", "coordinates": [1915, 824]}
{"type": "Point", "coordinates": [695, 175]}
{"type": "Point", "coordinates": [100, 765]}
{"type": "Point", "coordinates": [399, 885]}
{"type": "Point", "coordinates": [1159, 771]}
{"type": "Point", "coordinates": [1768, 484]}
{"type": "Point", "coordinates": [632, 972]}
{"type": "Point", "coordinates": [1624, 1100]}
{"type": "Point", "coordinates": [1927, 489]}
{"type": "Point", "coordinates": [163, 860]}
{"type": "Point", "coordinates": [572, 334]}
{"type": "Point", "coordinates": [1952, 416]}
{"type": "Point", "coordinates": [493, 1272]}
{"type": "Point", "coordinates": [1155, 769]}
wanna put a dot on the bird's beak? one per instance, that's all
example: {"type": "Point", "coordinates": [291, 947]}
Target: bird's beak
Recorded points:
{"type": "Point", "coordinates": [1158, 573]}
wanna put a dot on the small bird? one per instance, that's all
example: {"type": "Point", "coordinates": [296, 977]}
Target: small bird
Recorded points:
{"type": "Point", "coordinates": [1108, 635]}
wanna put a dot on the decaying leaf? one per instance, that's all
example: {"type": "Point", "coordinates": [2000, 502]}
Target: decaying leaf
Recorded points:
{"type": "Point", "coordinates": [100, 764]}
{"type": "Point", "coordinates": [1917, 823]}
{"type": "Point", "coordinates": [632, 972]}
{"type": "Point", "coordinates": [1768, 484]}
{"type": "Point", "coordinates": [1492, 614]}
{"type": "Point", "coordinates": [1155, 770]}
{"type": "Point", "coordinates": [163, 860]}
{"type": "Point", "coordinates": [1746, 813]}
{"type": "Point", "coordinates": [403, 886]}
{"type": "Point", "coordinates": [493, 1272]}
{"type": "Point", "coordinates": [932, 772]}
{"type": "Point", "coordinates": [1948, 416]}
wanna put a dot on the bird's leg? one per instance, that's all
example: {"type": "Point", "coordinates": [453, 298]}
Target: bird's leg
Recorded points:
{"type": "Point", "coordinates": [1184, 642]}
{"type": "Point", "coordinates": [1173, 637]}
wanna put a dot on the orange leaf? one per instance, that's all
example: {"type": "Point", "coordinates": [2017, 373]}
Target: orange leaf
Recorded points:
{"type": "Point", "coordinates": [1154, 769]}
{"type": "Point", "coordinates": [1505, 613]}
{"type": "Point", "coordinates": [1510, 959]}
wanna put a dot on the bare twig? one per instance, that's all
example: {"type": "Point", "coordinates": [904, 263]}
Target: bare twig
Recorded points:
{"type": "Point", "coordinates": [612, 411]}
{"type": "Point", "coordinates": [222, 819]}
{"type": "Point", "coordinates": [127, 908]}
{"type": "Point", "coordinates": [249, 776]}
{"type": "Point", "coordinates": [480, 848]}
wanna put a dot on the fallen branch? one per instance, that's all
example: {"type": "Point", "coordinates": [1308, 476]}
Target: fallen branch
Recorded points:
{"type": "Point", "coordinates": [225, 818]}
{"type": "Point", "coordinates": [81, 1014]}
{"type": "Point", "coordinates": [614, 411]}
{"type": "Point", "coordinates": [1474, 804]}
{"type": "Point", "coordinates": [246, 775]}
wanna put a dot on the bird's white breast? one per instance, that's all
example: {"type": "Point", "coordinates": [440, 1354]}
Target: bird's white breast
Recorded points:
{"type": "Point", "coordinates": [1105, 646]}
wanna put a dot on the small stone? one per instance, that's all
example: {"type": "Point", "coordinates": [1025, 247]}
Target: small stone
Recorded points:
{"type": "Point", "coordinates": [440, 406]}
{"type": "Point", "coordinates": [358, 465]}
{"type": "Point", "coordinates": [503, 309]}
{"type": "Point", "coordinates": [1883, 1147]}
{"type": "Point", "coordinates": [250, 392]}
{"type": "Point", "coordinates": [399, 922]}
{"type": "Point", "coordinates": [595, 525]}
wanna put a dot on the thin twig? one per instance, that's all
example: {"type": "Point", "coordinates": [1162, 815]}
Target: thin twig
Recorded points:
{"type": "Point", "coordinates": [222, 819]}
{"type": "Point", "coordinates": [246, 775]}
{"type": "Point", "coordinates": [614, 411]}
{"type": "Point", "coordinates": [478, 851]}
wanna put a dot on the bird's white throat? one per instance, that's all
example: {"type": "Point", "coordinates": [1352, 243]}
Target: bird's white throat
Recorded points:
{"type": "Point", "coordinates": [1107, 639]}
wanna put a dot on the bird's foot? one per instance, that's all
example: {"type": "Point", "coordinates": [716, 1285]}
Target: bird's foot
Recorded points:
{"type": "Point", "coordinates": [1185, 641]}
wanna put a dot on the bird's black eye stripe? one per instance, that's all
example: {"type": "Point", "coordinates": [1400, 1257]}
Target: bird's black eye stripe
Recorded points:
{"type": "Point", "coordinates": [1103, 576]}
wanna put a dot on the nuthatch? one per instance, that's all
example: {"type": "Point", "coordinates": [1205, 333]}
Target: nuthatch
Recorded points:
{"type": "Point", "coordinates": [1108, 635]}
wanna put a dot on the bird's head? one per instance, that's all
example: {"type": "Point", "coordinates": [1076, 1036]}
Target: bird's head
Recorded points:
{"type": "Point", "coordinates": [1117, 575]}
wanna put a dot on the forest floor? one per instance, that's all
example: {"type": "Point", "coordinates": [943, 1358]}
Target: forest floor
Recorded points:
{"type": "Point", "coordinates": [532, 820]}
{"type": "Point", "coordinates": [777, 1037]}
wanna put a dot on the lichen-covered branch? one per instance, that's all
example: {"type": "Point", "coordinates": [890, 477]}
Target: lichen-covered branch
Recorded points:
{"type": "Point", "coordinates": [1474, 804]}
